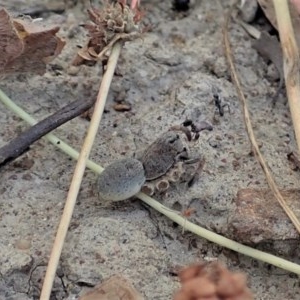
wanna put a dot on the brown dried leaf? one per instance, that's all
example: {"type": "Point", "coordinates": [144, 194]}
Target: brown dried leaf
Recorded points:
{"type": "Point", "coordinates": [115, 288]}
{"type": "Point", "coordinates": [11, 45]}
{"type": "Point", "coordinates": [269, 11]}
{"type": "Point", "coordinates": [27, 47]}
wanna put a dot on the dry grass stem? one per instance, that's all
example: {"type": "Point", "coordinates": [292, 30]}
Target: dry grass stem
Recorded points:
{"type": "Point", "coordinates": [291, 62]}
{"type": "Point", "coordinates": [78, 174]}
{"type": "Point", "coordinates": [249, 128]}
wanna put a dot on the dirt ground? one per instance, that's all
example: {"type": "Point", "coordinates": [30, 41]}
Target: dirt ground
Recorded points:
{"type": "Point", "coordinates": [167, 76]}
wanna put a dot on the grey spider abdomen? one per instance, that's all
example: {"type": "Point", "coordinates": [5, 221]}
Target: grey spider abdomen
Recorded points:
{"type": "Point", "coordinates": [121, 180]}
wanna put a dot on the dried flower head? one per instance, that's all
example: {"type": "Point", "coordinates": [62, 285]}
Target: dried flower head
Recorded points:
{"type": "Point", "coordinates": [162, 185]}
{"type": "Point", "coordinates": [148, 189]}
{"type": "Point", "coordinates": [212, 281]}
{"type": "Point", "coordinates": [117, 21]}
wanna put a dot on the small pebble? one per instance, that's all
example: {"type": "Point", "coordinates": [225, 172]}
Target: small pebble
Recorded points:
{"type": "Point", "coordinates": [121, 180]}
{"type": "Point", "coordinates": [122, 107]}
{"type": "Point", "coordinates": [23, 244]}
{"type": "Point", "coordinates": [73, 70]}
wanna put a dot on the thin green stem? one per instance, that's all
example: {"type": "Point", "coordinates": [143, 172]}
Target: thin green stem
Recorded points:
{"type": "Point", "coordinates": [220, 240]}
{"type": "Point", "coordinates": [174, 216]}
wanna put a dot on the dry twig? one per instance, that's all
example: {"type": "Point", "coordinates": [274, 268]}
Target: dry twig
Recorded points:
{"type": "Point", "coordinates": [108, 24]}
{"type": "Point", "coordinates": [249, 128]}
{"type": "Point", "coordinates": [291, 62]}
{"type": "Point", "coordinates": [79, 171]}
{"type": "Point", "coordinates": [22, 142]}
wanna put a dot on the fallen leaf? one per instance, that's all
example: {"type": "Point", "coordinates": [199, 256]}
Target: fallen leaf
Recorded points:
{"type": "Point", "coordinates": [115, 288]}
{"type": "Point", "coordinates": [26, 46]}
{"type": "Point", "coordinates": [11, 45]}
{"type": "Point", "coordinates": [269, 11]}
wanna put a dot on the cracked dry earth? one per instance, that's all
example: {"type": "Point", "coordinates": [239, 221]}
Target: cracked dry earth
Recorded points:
{"type": "Point", "coordinates": [167, 76]}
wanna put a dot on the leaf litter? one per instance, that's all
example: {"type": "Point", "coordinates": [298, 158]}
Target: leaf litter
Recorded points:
{"type": "Point", "coordinates": [26, 46]}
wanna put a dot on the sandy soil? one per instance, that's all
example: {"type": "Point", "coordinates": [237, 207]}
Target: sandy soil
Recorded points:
{"type": "Point", "coordinates": [168, 76]}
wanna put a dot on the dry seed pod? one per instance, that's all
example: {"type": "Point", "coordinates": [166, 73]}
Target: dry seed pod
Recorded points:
{"type": "Point", "coordinates": [148, 189]}
{"type": "Point", "coordinates": [190, 272]}
{"type": "Point", "coordinates": [121, 180]}
{"type": "Point", "coordinates": [174, 175]}
{"type": "Point", "coordinates": [162, 185]}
